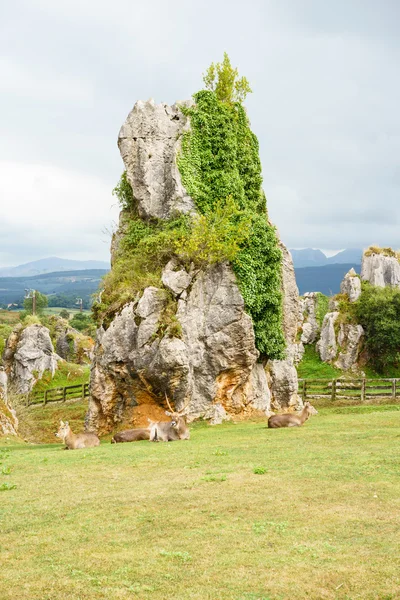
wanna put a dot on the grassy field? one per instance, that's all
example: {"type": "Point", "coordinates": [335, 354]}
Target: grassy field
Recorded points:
{"type": "Point", "coordinates": [239, 512]}
{"type": "Point", "coordinates": [55, 310]}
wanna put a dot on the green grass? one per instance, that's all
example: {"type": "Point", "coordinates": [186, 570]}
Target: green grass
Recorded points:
{"type": "Point", "coordinates": [193, 520]}
{"type": "Point", "coordinates": [66, 374]}
{"type": "Point", "coordinates": [312, 367]}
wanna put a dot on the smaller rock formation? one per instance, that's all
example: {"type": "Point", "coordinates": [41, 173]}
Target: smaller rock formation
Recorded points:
{"type": "Point", "coordinates": [351, 285]}
{"type": "Point", "coordinates": [28, 354]}
{"type": "Point", "coordinates": [350, 340]}
{"type": "Point", "coordinates": [282, 374]}
{"type": "Point", "coordinates": [380, 268]}
{"type": "Point", "coordinates": [8, 417]}
{"type": "Point", "coordinates": [72, 345]}
{"type": "Point", "coordinates": [310, 325]}
{"type": "Point", "coordinates": [327, 346]}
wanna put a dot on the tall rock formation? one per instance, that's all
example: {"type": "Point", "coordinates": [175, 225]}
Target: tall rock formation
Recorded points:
{"type": "Point", "coordinates": [381, 267]}
{"type": "Point", "coordinates": [351, 285]}
{"type": "Point", "coordinates": [188, 337]}
{"type": "Point", "coordinates": [28, 354]}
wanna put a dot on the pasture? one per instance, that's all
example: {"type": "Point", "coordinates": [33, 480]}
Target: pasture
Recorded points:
{"type": "Point", "coordinates": [239, 512]}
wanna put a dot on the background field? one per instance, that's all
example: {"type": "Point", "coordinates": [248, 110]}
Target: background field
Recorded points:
{"type": "Point", "coordinates": [238, 512]}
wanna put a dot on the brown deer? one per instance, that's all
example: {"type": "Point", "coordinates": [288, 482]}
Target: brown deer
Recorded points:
{"type": "Point", "coordinates": [77, 441]}
{"type": "Point", "coordinates": [170, 431]}
{"type": "Point", "coordinates": [291, 420]}
{"type": "Point", "coordinates": [131, 435]}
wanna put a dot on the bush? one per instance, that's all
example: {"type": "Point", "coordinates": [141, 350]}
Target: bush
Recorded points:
{"type": "Point", "coordinates": [83, 323]}
{"type": "Point", "coordinates": [378, 311]}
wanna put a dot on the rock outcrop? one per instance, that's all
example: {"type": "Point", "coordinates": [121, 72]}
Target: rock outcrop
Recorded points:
{"type": "Point", "coordinates": [282, 373]}
{"type": "Point", "coordinates": [72, 345]}
{"type": "Point", "coordinates": [8, 417]}
{"type": "Point", "coordinates": [351, 285]}
{"type": "Point", "coordinates": [188, 338]}
{"type": "Point", "coordinates": [380, 269]}
{"type": "Point", "coordinates": [213, 362]}
{"type": "Point", "coordinates": [350, 339]}
{"type": "Point", "coordinates": [310, 325]}
{"type": "Point", "coordinates": [28, 354]}
{"type": "Point", "coordinates": [149, 141]}
{"type": "Point", "coordinates": [327, 346]}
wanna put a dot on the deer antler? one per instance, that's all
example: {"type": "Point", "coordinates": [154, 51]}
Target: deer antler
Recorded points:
{"type": "Point", "coordinates": [169, 406]}
{"type": "Point", "coordinates": [185, 405]}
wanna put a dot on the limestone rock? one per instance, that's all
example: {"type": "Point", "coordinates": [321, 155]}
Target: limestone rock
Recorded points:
{"type": "Point", "coordinates": [149, 141]}
{"type": "Point", "coordinates": [214, 362]}
{"type": "Point", "coordinates": [284, 384]}
{"type": "Point", "coordinates": [380, 270]}
{"type": "Point", "coordinates": [282, 373]}
{"type": "Point", "coordinates": [8, 417]}
{"type": "Point", "coordinates": [28, 354]}
{"type": "Point", "coordinates": [327, 346]}
{"type": "Point", "coordinates": [351, 285]}
{"type": "Point", "coordinates": [175, 278]}
{"type": "Point", "coordinates": [350, 340]}
{"type": "Point", "coordinates": [310, 328]}
{"type": "Point", "coordinates": [211, 360]}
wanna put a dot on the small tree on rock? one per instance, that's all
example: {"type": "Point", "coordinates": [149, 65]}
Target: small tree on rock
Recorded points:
{"type": "Point", "coordinates": [223, 79]}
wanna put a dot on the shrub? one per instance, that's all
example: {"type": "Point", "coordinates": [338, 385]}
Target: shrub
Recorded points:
{"type": "Point", "coordinates": [378, 311]}
{"type": "Point", "coordinates": [123, 191]}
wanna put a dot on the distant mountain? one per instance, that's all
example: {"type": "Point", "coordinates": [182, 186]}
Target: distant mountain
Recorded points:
{"type": "Point", "coordinates": [351, 255]}
{"type": "Point", "coordinates": [325, 279]}
{"type": "Point", "coordinates": [51, 265]}
{"type": "Point", "coordinates": [62, 288]}
{"type": "Point", "coordinates": [311, 257]}
{"type": "Point", "coordinates": [308, 257]}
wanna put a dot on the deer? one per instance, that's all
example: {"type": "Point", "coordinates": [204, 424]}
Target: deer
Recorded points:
{"type": "Point", "coordinates": [131, 435]}
{"type": "Point", "coordinates": [170, 431]}
{"type": "Point", "coordinates": [77, 441]}
{"type": "Point", "coordinates": [291, 420]}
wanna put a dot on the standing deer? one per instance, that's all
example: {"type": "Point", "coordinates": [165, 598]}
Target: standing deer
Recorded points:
{"type": "Point", "coordinates": [131, 435]}
{"type": "Point", "coordinates": [169, 431]}
{"type": "Point", "coordinates": [291, 420]}
{"type": "Point", "coordinates": [77, 441]}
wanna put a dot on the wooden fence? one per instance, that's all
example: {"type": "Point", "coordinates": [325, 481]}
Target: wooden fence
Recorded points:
{"type": "Point", "coordinates": [60, 394]}
{"type": "Point", "coordinates": [350, 391]}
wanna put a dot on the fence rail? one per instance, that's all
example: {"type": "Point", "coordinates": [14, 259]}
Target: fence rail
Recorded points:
{"type": "Point", "coordinates": [354, 391]}
{"type": "Point", "coordinates": [60, 394]}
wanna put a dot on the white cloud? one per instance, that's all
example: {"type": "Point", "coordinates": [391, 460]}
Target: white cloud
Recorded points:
{"type": "Point", "coordinates": [48, 211]}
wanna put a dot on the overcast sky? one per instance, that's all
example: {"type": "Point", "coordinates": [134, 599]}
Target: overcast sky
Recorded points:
{"type": "Point", "coordinates": [325, 107]}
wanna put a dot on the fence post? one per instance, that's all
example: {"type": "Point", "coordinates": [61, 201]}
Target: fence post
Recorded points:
{"type": "Point", "coordinates": [304, 390]}
{"type": "Point", "coordinates": [363, 390]}
{"type": "Point", "coordinates": [45, 397]}
{"type": "Point", "coordinates": [393, 388]}
{"type": "Point", "coordinates": [64, 394]}
{"type": "Point", "coordinates": [333, 394]}
{"type": "Point", "coordinates": [83, 391]}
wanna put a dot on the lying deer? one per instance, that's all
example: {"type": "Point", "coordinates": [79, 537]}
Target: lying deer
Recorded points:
{"type": "Point", "coordinates": [77, 441]}
{"type": "Point", "coordinates": [131, 435]}
{"type": "Point", "coordinates": [169, 431]}
{"type": "Point", "coordinates": [291, 420]}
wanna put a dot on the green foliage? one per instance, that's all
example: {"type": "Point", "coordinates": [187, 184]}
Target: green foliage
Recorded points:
{"type": "Point", "coordinates": [64, 314]}
{"type": "Point", "coordinates": [221, 170]}
{"type": "Point", "coordinates": [223, 79]}
{"type": "Point", "coordinates": [378, 311]}
{"type": "Point", "coordinates": [84, 323]}
{"type": "Point", "coordinates": [321, 308]}
{"type": "Point", "coordinates": [123, 191]}
{"type": "Point", "coordinates": [5, 331]}
{"type": "Point", "coordinates": [41, 303]}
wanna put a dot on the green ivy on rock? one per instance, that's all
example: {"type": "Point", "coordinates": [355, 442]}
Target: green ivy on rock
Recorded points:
{"type": "Point", "coordinates": [219, 158]}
